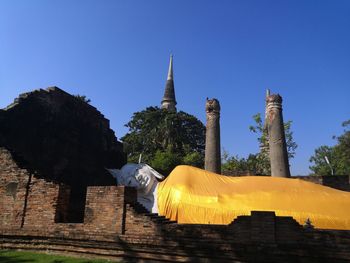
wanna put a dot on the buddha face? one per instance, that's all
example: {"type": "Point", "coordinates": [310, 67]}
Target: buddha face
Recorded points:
{"type": "Point", "coordinates": [141, 176]}
{"type": "Point", "coordinates": [144, 179]}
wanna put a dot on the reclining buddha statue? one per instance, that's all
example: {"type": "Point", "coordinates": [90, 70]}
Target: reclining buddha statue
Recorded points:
{"type": "Point", "coordinates": [195, 196]}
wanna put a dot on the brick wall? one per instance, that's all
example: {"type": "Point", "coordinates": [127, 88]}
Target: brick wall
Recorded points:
{"type": "Point", "coordinates": [105, 208]}
{"type": "Point", "coordinates": [13, 184]}
{"type": "Point", "coordinates": [111, 214]}
{"type": "Point", "coordinates": [266, 227]}
{"type": "Point", "coordinates": [27, 201]}
{"type": "Point", "coordinates": [39, 207]}
{"type": "Point", "coordinates": [139, 224]}
{"type": "Point", "coordinates": [61, 138]}
{"type": "Point", "coordinates": [341, 182]}
{"type": "Point", "coordinates": [62, 207]}
{"type": "Point", "coordinates": [42, 199]}
{"type": "Point", "coordinates": [32, 212]}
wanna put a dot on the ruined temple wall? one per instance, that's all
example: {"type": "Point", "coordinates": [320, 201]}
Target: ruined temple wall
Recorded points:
{"type": "Point", "coordinates": [105, 209]}
{"type": "Point", "coordinates": [111, 210]}
{"type": "Point", "coordinates": [62, 206]}
{"type": "Point", "coordinates": [41, 204]}
{"type": "Point", "coordinates": [13, 183]}
{"type": "Point", "coordinates": [265, 227]}
{"type": "Point", "coordinates": [34, 206]}
{"type": "Point", "coordinates": [104, 217]}
{"type": "Point", "coordinates": [340, 182]}
{"type": "Point", "coordinates": [59, 137]}
{"type": "Point", "coordinates": [62, 138]}
{"type": "Point", "coordinates": [112, 214]}
{"type": "Point", "coordinates": [27, 201]}
{"type": "Point", "coordinates": [138, 224]}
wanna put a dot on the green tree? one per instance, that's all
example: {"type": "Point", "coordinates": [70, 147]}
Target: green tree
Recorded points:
{"type": "Point", "coordinates": [291, 144]}
{"type": "Point", "coordinates": [261, 130]}
{"type": "Point", "coordinates": [83, 98]}
{"type": "Point", "coordinates": [254, 163]}
{"type": "Point", "coordinates": [338, 155]}
{"type": "Point", "coordinates": [164, 162]}
{"type": "Point", "coordinates": [320, 166]}
{"type": "Point", "coordinates": [165, 139]}
{"type": "Point", "coordinates": [194, 159]}
{"type": "Point", "coordinates": [259, 163]}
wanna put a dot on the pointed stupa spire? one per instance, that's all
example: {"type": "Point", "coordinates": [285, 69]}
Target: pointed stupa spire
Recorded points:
{"type": "Point", "coordinates": [169, 101]}
{"type": "Point", "coordinates": [170, 71]}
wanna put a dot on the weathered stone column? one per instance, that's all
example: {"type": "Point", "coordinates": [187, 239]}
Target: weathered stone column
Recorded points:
{"type": "Point", "coordinates": [277, 141]}
{"type": "Point", "coordinates": [212, 138]}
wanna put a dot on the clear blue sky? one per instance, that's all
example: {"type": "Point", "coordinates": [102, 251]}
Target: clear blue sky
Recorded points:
{"type": "Point", "coordinates": [117, 53]}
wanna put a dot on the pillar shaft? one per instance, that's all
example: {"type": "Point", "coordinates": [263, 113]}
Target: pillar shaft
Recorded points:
{"type": "Point", "coordinates": [212, 139]}
{"type": "Point", "coordinates": [277, 141]}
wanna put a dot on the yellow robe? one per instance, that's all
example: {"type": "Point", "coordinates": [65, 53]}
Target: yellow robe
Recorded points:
{"type": "Point", "coordinates": [195, 196]}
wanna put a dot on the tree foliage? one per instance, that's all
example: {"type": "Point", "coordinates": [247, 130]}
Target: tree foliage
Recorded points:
{"type": "Point", "coordinates": [83, 98]}
{"type": "Point", "coordinates": [261, 129]}
{"type": "Point", "coordinates": [338, 155]}
{"type": "Point", "coordinates": [165, 139]}
{"type": "Point", "coordinates": [254, 163]}
{"type": "Point", "coordinates": [165, 161]}
{"type": "Point", "coordinates": [291, 144]}
{"type": "Point", "coordinates": [259, 163]}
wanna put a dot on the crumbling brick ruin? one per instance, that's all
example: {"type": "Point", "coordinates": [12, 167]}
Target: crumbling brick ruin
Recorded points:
{"type": "Point", "coordinates": [35, 202]}
{"type": "Point", "coordinates": [61, 138]}
{"type": "Point", "coordinates": [116, 226]}
{"type": "Point", "coordinates": [340, 182]}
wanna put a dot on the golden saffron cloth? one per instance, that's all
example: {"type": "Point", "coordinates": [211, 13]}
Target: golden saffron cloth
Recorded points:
{"type": "Point", "coordinates": [195, 196]}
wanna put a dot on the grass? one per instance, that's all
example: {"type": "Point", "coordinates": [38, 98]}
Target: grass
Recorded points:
{"type": "Point", "coordinates": [12, 256]}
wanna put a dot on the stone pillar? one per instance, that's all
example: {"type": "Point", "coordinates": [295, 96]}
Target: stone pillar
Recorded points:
{"type": "Point", "coordinates": [277, 141]}
{"type": "Point", "coordinates": [212, 139]}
